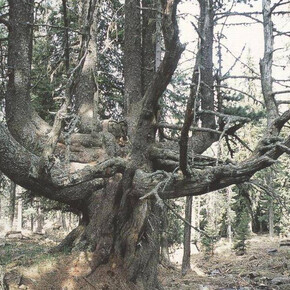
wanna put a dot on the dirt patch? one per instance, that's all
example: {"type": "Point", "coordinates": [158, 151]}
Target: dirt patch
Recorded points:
{"type": "Point", "coordinates": [264, 266]}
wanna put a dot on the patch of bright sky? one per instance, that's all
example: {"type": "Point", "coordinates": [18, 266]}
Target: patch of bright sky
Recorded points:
{"type": "Point", "coordinates": [238, 36]}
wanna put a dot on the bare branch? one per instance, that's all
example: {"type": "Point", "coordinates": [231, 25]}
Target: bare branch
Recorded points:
{"type": "Point", "coordinates": [247, 14]}
{"type": "Point", "coordinates": [281, 102]}
{"type": "Point", "coordinates": [225, 77]}
{"type": "Point", "coordinates": [270, 191]}
{"type": "Point", "coordinates": [185, 221]}
{"type": "Point", "coordinates": [192, 128]}
{"type": "Point", "coordinates": [237, 59]}
{"type": "Point", "coordinates": [232, 118]}
{"type": "Point", "coordinates": [281, 92]}
{"type": "Point", "coordinates": [56, 27]}
{"type": "Point", "coordinates": [279, 3]}
{"type": "Point", "coordinates": [55, 132]}
{"type": "Point", "coordinates": [243, 63]}
{"type": "Point", "coordinates": [23, 168]}
{"type": "Point", "coordinates": [244, 93]}
{"type": "Point", "coordinates": [242, 142]}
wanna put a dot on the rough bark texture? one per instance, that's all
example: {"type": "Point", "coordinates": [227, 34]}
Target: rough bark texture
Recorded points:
{"type": "Point", "coordinates": [85, 87]}
{"type": "Point", "coordinates": [22, 121]}
{"type": "Point", "coordinates": [19, 213]}
{"type": "Point", "coordinates": [116, 188]}
{"type": "Point", "coordinates": [132, 64]}
{"type": "Point", "coordinates": [187, 237]}
{"type": "Point", "coordinates": [201, 92]}
{"type": "Point", "coordinates": [266, 64]}
{"type": "Point", "coordinates": [18, 105]}
{"type": "Point", "coordinates": [12, 197]}
{"type": "Point", "coordinates": [164, 246]}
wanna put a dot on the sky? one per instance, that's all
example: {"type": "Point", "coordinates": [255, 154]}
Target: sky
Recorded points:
{"type": "Point", "coordinates": [250, 36]}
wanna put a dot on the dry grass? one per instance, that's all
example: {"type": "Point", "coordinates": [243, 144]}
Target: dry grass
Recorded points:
{"type": "Point", "coordinates": [225, 270]}
{"type": "Point", "coordinates": [29, 267]}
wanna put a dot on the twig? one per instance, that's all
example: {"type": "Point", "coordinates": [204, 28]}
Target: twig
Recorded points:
{"type": "Point", "coordinates": [226, 116]}
{"type": "Point", "coordinates": [269, 190]}
{"type": "Point", "coordinates": [187, 222]}
{"type": "Point", "coordinates": [192, 128]}
{"type": "Point", "coordinates": [89, 282]}
{"type": "Point", "coordinates": [242, 142]}
{"type": "Point", "coordinates": [279, 3]}
{"type": "Point", "coordinates": [244, 93]}
{"type": "Point", "coordinates": [281, 92]}
{"type": "Point", "coordinates": [236, 60]}
{"type": "Point", "coordinates": [219, 142]}
{"type": "Point", "coordinates": [243, 63]}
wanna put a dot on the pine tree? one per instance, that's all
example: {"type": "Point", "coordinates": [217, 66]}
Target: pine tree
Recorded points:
{"type": "Point", "coordinates": [241, 222]}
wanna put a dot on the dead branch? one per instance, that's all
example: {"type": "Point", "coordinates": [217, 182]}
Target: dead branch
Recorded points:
{"type": "Point", "coordinates": [244, 93]}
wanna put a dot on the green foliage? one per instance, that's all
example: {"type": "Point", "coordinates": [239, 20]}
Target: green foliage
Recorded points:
{"type": "Point", "coordinates": [175, 226]}
{"type": "Point", "coordinates": [242, 219]}
{"type": "Point", "coordinates": [241, 232]}
{"type": "Point", "coordinates": [208, 241]}
{"type": "Point", "coordinates": [245, 111]}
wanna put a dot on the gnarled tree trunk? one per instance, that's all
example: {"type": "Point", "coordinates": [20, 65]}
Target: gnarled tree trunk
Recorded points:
{"type": "Point", "coordinates": [117, 190]}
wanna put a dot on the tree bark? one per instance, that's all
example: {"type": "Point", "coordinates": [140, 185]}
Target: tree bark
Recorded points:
{"type": "Point", "coordinates": [24, 124]}
{"type": "Point", "coordinates": [229, 217]}
{"type": "Point", "coordinates": [164, 247]}
{"type": "Point", "coordinates": [271, 219]}
{"type": "Point", "coordinates": [12, 197]}
{"type": "Point", "coordinates": [86, 83]}
{"type": "Point", "coordinates": [19, 213]}
{"type": "Point", "coordinates": [39, 217]}
{"type": "Point", "coordinates": [187, 237]}
{"type": "Point", "coordinates": [267, 62]}
{"type": "Point", "coordinates": [120, 218]}
{"type": "Point", "coordinates": [201, 92]}
{"type": "Point", "coordinates": [132, 65]}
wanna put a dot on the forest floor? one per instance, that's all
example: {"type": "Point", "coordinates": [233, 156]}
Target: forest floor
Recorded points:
{"type": "Point", "coordinates": [29, 265]}
{"type": "Point", "coordinates": [265, 265]}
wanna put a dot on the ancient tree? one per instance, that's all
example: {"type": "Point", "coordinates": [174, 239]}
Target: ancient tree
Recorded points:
{"type": "Point", "coordinates": [117, 174]}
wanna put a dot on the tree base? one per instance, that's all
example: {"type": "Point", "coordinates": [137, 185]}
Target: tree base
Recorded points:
{"type": "Point", "coordinates": [75, 272]}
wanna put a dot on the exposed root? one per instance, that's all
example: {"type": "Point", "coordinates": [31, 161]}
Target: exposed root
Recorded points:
{"type": "Point", "coordinates": [70, 240]}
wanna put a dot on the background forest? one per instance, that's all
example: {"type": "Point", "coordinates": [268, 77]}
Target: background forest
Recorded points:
{"type": "Point", "coordinates": [225, 85]}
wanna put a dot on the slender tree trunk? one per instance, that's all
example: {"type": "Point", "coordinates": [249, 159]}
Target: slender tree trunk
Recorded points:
{"type": "Point", "coordinates": [194, 218]}
{"type": "Point", "coordinates": [198, 216]}
{"type": "Point", "coordinates": [164, 251]}
{"type": "Point", "coordinates": [271, 219]}
{"type": "Point", "coordinates": [250, 226]}
{"type": "Point", "coordinates": [19, 213]}
{"type": "Point", "coordinates": [69, 221]}
{"type": "Point", "coordinates": [63, 221]}
{"type": "Point", "coordinates": [229, 217]}
{"type": "Point", "coordinates": [39, 218]}
{"type": "Point", "coordinates": [12, 197]}
{"type": "Point", "coordinates": [269, 182]}
{"type": "Point", "coordinates": [266, 64]}
{"type": "Point", "coordinates": [187, 237]}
